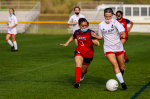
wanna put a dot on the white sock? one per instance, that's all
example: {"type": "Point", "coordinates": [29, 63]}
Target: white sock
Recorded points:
{"type": "Point", "coordinates": [120, 78]}
{"type": "Point", "coordinates": [10, 43]}
{"type": "Point", "coordinates": [15, 45]}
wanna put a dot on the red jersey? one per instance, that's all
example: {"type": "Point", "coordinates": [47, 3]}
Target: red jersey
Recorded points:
{"type": "Point", "coordinates": [124, 22]}
{"type": "Point", "coordinates": [85, 44]}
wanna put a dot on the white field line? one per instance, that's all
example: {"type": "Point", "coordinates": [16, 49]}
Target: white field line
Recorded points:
{"type": "Point", "coordinates": [137, 44]}
{"type": "Point", "coordinates": [60, 62]}
{"type": "Point", "coordinates": [33, 69]}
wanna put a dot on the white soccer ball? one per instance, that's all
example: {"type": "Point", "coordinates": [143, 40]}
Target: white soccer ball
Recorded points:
{"type": "Point", "coordinates": [112, 85]}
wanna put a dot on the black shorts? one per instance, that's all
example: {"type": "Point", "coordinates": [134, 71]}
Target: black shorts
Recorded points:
{"type": "Point", "coordinates": [86, 61]}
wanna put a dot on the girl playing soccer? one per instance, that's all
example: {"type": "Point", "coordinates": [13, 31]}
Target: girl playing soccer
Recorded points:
{"type": "Point", "coordinates": [124, 22]}
{"type": "Point", "coordinates": [12, 31]}
{"type": "Point", "coordinates": [113, 48]}
{"type": "Point", "coordinates": [84, 51]}
{"type": "Point", "coordinates": [74, 18]}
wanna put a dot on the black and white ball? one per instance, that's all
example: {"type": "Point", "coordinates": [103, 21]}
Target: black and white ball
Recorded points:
{"type": "Point", "coordinates": [112, 85]}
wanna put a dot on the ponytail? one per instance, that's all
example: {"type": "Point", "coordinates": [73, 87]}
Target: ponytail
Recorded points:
{"type": "Point", "coordinates": [12, 10]}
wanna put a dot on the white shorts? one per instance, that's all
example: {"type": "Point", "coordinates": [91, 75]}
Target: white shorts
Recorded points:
{"type": "Point", "coordinates": [12, 31]}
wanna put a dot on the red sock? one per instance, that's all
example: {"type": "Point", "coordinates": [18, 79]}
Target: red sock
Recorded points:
{"type": "Point", "coordinates": [125, 55]}
{"type": "Point", "coordinates": [78, 74]}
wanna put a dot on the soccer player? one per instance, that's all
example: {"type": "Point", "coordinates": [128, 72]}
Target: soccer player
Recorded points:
{"type": "Point", "coordinates": [124, 22]}
{"type": "Point", "coordinates": [74, 20]}
{"type": "Point", "coordinates": [12, 31]}
{"type": "Point", "coordinates": [84, 51]}
{"type": "Point", "coordinates": [110, 30]}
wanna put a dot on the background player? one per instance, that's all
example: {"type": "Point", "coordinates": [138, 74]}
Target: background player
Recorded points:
{"type": "Point", "coordinates": [74, 20]}
{"type": "Point", "coordinates": [113, 48]}
{"type": "Point", "coordinates": [12, 31]}
{"type": "Point", "coordinates": [84, 51]}
{"type": "Point", "coordinates": [124, 22]}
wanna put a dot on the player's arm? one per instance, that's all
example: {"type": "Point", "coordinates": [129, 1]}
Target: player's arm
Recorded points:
{"type": "Point", "coordinates": [96, 36]}
{"type": "Point", "coordinates": [96, 42]}
{"type": "Point", "coordinates": [131, 25]}
{"type": "Point", "coordinates": [16, 23]}
{"type": "Point", "coordinates": [121, 29]}
{"type": "Point", "coordinates": [122, 34]}
{"type": "Point", "coordinates": [12, 26]}
{"type": "Point", "coordinates": [69, 41]}
{"type": "Point", "coordinates": [70, 22]}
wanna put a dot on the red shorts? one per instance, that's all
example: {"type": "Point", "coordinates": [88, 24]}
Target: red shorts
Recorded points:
{"type": "Point", "coordinates": [86, 61]}
{"type": "Point", "coordinates": [11, 34]}
{"type": "Point", "coordinates": [116, 53]}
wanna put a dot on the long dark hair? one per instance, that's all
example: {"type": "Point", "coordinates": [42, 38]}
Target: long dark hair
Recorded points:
{"type": "Point", "coordinates": [108, 10]}
{"type": "Point", "coordinates": [12, 10]}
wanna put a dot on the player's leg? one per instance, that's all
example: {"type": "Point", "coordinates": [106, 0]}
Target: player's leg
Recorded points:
{"type": "Point", "coordinates": [83, 71]}
{"type": "Point", "coordinates": [86, 63]}
{"type": "Point", "coordinates": [120, 59]}
{"type": "Point", "coordinates": [113, 61]}
{"type": "Point", "coordinates": [79, 62]}
{"type": "Point", "coordinates": [9, 41]}
{"type": "Point", "coordinates": [14, 42]}
{"type": "Point", "coordinates": [123, 41]}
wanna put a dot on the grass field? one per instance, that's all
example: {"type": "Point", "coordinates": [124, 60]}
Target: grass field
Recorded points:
{"type": "Point", "coordinates": [42, 69]}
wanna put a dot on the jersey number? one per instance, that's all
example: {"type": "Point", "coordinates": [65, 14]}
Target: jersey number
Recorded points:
{"type": "Point", "coordinates": [82, 43]}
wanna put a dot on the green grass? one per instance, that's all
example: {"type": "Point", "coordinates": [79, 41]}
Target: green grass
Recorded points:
{"type": "Point", "coordinates": [42, 69]}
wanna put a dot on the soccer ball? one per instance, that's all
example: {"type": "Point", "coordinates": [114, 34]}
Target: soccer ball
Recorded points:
{"type": "Point", "coordinates": [112, 85]}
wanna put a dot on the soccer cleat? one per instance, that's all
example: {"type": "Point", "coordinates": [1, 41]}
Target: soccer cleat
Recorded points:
{"type": "Point", "coordinates": [126, 60]}
{"type": "Point", "coordinates": [12, 49]}
{"type": "Point", "coordinates": [77, 85]}
{"type": "Point", "coordinates": [15, 51]}
{"type": "Point", "coordinates": [82, 77]}
{"type": "Point", "coordinates": [124, 86]}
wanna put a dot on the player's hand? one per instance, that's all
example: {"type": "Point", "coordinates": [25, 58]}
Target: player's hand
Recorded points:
{"type": "Point", "coordinates": [121, 36]}
{"type": "Point", "coordinates": [9, 27]}
{"type": "Point", "coordinates": [64, 44]}
{"type": "Point", "coordinates": [128, 30]}
{"type": "Point", "coordinates": [75, 22]}
{"type": "Point", "coordinates": [7, 23]}
{"type": "Point", "coordinates": [93, 34]}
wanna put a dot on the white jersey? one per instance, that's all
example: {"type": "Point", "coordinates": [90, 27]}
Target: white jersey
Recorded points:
{"type": "Point", "coordinates": [110, 33]}
{"type": "Point", "coordinates": [12, 21]}
{"type": "Point", "coordinates": [73, 19]}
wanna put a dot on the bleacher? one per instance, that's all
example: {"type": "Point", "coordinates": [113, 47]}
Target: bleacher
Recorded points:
{"type": "Point", "coordinates": [22, 14]}
{"type": "Point", "coordinates": [135, 13]}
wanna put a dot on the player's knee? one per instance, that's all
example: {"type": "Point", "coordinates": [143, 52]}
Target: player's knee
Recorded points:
{"type": "Point", "coordinates": [78, 65]}
{"type": "Point", "coordinates": [7, 39]}
{"type": "Point", "coordinates": [115, 65]}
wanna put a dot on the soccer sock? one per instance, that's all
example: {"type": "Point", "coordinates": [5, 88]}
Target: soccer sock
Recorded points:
{"type": "Point", "coordinates": [15, 45]}
{"type": "Point", "coordinates": [125, 55]}
{"type": "Point", "coordinates": [122, 72]}
{"type": "Point", "coordinates": [78, 74]}
{"type": "Point", "coordinates": [10, 43]}
{"type": "Point", "coordinates": [120, 78]}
